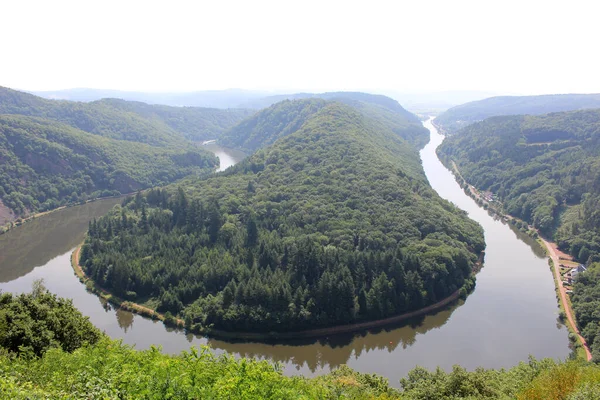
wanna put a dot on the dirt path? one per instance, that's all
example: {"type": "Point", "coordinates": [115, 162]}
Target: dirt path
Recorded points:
{"type": "Point", "coordinates": [563, 295]}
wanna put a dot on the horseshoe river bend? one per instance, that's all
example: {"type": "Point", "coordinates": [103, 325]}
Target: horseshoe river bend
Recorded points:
{"type": "Point", "coordinates": [511, 314]}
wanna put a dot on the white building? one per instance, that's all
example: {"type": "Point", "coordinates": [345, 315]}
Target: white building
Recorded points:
{"type": "Point", "coordinates": [577, 270]}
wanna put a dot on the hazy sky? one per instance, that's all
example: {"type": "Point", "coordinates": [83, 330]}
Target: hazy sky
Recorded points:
{"type": "Point", "coordinates": [504, 46]}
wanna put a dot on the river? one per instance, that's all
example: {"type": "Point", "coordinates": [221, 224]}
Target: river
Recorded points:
{"type": "Point", "coordinates": [511, 314]}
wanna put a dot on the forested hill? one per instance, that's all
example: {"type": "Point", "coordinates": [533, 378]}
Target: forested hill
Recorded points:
{"type": "Point", "coordinates": [131, 121]}
{"type": "Point", "coordinates": [345, 97]}
{"type": "Point", "coordinates": [45, 164]}
{"type": "Point", "coordinates": [460, 116]}
{"type": "Point", "coordinates": [195, 123]}
{"type": "Point", "coordinates": [270, 124]}
{"type": "Point", "coordinates": [332, 224]}
{"type": "Point", "coordinates": [286, 117]}
{"type": "Point", "coordinates": [545, 170]}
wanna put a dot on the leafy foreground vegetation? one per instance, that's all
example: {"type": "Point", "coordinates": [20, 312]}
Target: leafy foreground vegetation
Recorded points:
{"type": "Point", "coordinates": [33, 323]}
{"type": "Point", "coordinates": [463, 115]}
{"type": "Point", "coordinates": [332, 224]}
{"type": "Point", "coordinates": [111, 370]}
{"type": "Point", "coordinates": [546, 171]}
{"type": "Point", "coordinates": [46, 164]}
{"type": "Point", "coordinates": [77, 362]}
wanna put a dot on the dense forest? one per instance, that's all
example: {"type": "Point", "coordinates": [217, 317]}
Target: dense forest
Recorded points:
{"type": "Point", "coordinates": [332, 224]}
{"type": "Point", "coordinates": [195, 123]}
{"type": "Point", "coordinates": [46, 164]}
{"type": "Point", "coordinates": [389, 112]}
{"type": "Point", "coordinates": [465, 114]}
{"type": "Point", "coordinates": [287, 116]}
{"type": "Point", "coordinates": [156, 125]}
{"type": "Point", "coordinates": [54, 153]}
{"type": "Point", "coordinates": [49, 350]}
{"type": "Point", "coordinates": [270, 124]}
{"type": "Point", "coordinates": [546, 171]}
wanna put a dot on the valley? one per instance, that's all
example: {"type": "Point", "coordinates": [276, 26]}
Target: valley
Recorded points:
{"type": "Point", "coordinates": [489, 315]}
{"type": "Point", "coordinates": [336, 237]}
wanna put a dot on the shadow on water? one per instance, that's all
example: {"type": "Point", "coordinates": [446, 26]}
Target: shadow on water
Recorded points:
{"type": "Point", "coordinates": [40, 240]}
{"type": "Point", "coordinates": [333, 351]}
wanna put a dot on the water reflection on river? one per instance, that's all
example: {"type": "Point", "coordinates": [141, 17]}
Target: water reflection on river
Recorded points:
{"type": "Point", "coordinates": [511, 314]}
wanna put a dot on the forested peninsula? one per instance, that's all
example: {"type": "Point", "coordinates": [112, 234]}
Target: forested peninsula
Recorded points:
{"type": "Point", "coordinates": [54, 153]}
{"type": "Point", "coordinates": [333, 223]}
{"type": "Point", "coordinates": [545, 170]}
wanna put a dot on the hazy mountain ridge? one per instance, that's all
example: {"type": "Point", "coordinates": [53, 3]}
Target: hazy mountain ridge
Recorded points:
{"type": "Point", "coordinates": [463, 115]}
{"type": "Point", "coordinates": [228, 98]}
{"type": "Point", "coordinates": [132, 121]}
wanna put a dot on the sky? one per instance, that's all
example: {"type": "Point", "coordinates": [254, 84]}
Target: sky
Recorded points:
{"type": "Point", "coordinates": [517, 47]}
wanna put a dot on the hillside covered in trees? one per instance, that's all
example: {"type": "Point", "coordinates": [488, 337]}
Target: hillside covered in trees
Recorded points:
{"type": "Point", "coordinates": [46, 164]}
{"type": "Point", "coordinates": [546, 171]}
{"type": "Point", "coordinates": [465, 114]}
{"type": "Point", "coordinates": [54, 152]}
{"type": "Point", "coordinates": [332, 224]}
{"type": "Point", "coordinates": [287, 116]}
{"type": "Point", "coordinates": [156, 125]}
{"type": "Point", "coordinates": [390, 112]}
{"type": "Point", "coordinates": [49, 350]}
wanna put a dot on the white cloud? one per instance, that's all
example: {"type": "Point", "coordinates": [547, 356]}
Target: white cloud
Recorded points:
{"type": "Point", "coordinates": [513, 46]}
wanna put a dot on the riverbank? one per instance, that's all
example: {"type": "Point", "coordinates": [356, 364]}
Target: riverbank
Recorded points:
{"type": "Point", "coordinates": [306, 334]}
{"type": "Point", "coordinates": [562, 294]}
{"type": "Point", "coordinates": [550, 248]}
{"type": "Point", "coordinates": [115, 300]}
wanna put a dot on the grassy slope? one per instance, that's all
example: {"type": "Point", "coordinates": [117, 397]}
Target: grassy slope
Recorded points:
{"type": "Point", "coordinates": [111, 370]}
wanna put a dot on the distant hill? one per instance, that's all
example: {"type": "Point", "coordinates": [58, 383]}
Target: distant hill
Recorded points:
{"type": "Point", "coordinates": [287, 116]}
{"type": "Point", "coordinates": [378, 99]}
{"type": "Point", "coordinates": [132, 121]}
{"type": "Point", "coordinates": [230, 98]}
{"type": "Point", "coordinates": [460, 116]}
{"type": "Point", "coordinates": [195, 123]}
{"type": "Point", "coordinates": [45, 164]}
{"type": "Point", "coordinates": [56, 152]}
